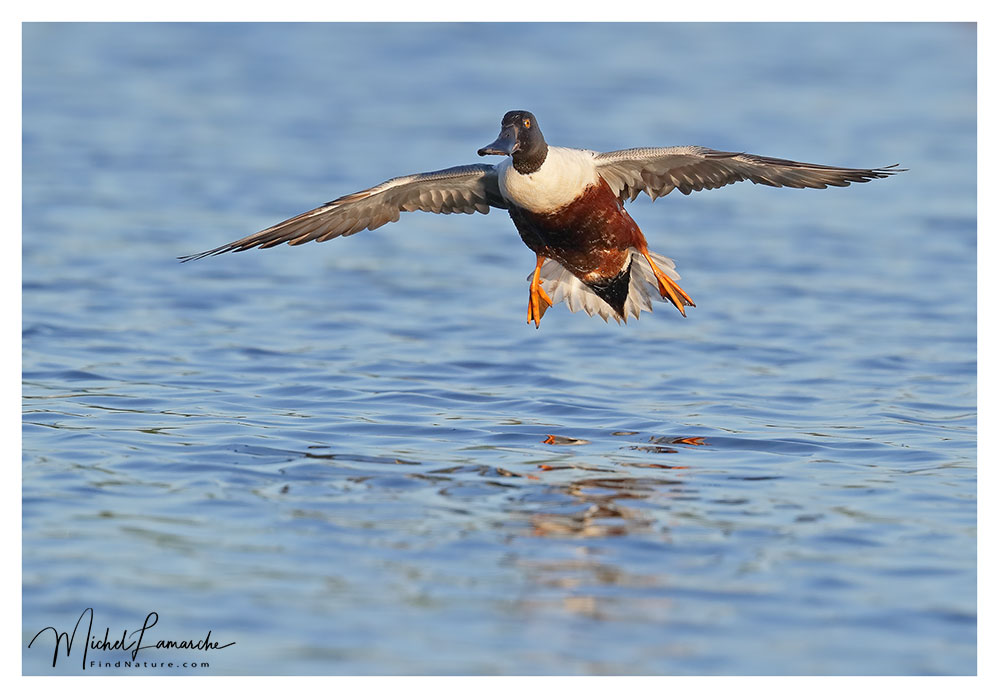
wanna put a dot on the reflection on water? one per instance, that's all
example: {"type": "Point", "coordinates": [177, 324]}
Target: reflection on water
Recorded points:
{"type": "Point", "coordinates": [599, 503]}
{"type": "Point", "coordinates": [355, 458]}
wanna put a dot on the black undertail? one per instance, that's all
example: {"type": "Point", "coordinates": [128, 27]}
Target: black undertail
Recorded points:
{"type": "Point", "coordinates": [615, 289]}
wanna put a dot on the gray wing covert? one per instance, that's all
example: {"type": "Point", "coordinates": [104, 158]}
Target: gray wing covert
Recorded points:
{"type": "Point", "coordinates": [658, 171]}
{"type": "Point", "coordinates": [463, 189]}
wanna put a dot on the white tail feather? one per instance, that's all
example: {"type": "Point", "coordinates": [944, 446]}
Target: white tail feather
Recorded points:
{"type": "Point", "coordinates": [562, 285]}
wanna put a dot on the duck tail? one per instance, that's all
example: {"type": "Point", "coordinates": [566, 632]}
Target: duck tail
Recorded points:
{"type": "Point", "coordinates": [642, 288]}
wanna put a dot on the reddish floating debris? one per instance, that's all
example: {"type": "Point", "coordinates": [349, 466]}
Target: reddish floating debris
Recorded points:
{"type": "Point", "coordinates": [678, 440]}
{"type": "Point", "coordinates": [660, 466]}
{"type": "Point", "coordinates": [564, 440]}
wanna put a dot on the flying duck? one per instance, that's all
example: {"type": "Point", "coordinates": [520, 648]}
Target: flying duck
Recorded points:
{"type": "Point", "coordinates": [567, 205]}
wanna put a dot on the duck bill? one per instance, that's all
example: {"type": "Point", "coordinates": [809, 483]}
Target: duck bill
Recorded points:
{"type": "Point", "coordinates": [506, 144]}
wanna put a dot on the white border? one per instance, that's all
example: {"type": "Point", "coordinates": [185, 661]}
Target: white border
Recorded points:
{"type": "Point", "coordinates": [535, 10]}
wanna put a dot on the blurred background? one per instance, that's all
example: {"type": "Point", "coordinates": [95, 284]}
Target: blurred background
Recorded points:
{"type": "Point", "coordinates": [357, 458]}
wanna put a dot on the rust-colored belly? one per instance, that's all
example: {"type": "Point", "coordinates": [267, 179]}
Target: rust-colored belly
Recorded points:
{"type": "Point", "coordinates": [590, 237]}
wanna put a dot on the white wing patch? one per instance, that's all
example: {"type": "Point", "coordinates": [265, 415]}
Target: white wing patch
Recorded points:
{"type": "Point", "coordinates": [562, 285]}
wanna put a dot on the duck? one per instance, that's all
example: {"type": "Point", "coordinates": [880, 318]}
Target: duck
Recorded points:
{"type": "Point", "coordinates": [567, 204]}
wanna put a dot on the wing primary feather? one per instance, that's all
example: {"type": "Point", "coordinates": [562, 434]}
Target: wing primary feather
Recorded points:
{"type": "Point", "coordinates": [463, 189]}
{"type": "Point", "coordinates": [657, 171]}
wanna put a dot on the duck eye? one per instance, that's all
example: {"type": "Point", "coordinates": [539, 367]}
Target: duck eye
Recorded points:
{"type": "Point", "coordinates": [527, 123]}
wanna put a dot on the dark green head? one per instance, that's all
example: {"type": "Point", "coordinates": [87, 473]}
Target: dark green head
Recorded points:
{"type": "Point", "coordinates": [521, 137]}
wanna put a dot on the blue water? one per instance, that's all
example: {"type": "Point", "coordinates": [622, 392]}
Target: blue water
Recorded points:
{"type": "Point", "coordinates": [357, 458]}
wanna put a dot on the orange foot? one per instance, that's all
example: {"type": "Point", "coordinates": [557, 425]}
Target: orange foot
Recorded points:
{"type": "Point", "coordinates": [667, 287]}
{"type": "Point", "coordinates": [539, 301]}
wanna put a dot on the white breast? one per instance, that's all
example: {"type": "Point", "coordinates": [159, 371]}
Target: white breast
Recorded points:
{"type": "Point", "coordinates": [563, 176]}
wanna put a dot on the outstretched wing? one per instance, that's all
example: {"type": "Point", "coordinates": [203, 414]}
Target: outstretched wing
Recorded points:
{"type": "Point", "coordinates": [658, 171]}
{"type": "Point", "coordinates": [464, 189]}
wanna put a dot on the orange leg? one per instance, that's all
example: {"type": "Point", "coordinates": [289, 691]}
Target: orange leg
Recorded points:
{"type": "Point", "coordinates": [539, 301]}
{"type": "Point", "coordinates": [667, 287]}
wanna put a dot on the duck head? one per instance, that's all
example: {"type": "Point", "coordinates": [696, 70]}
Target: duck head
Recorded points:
{"type": "Point", "coordinates": [520, 136]}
